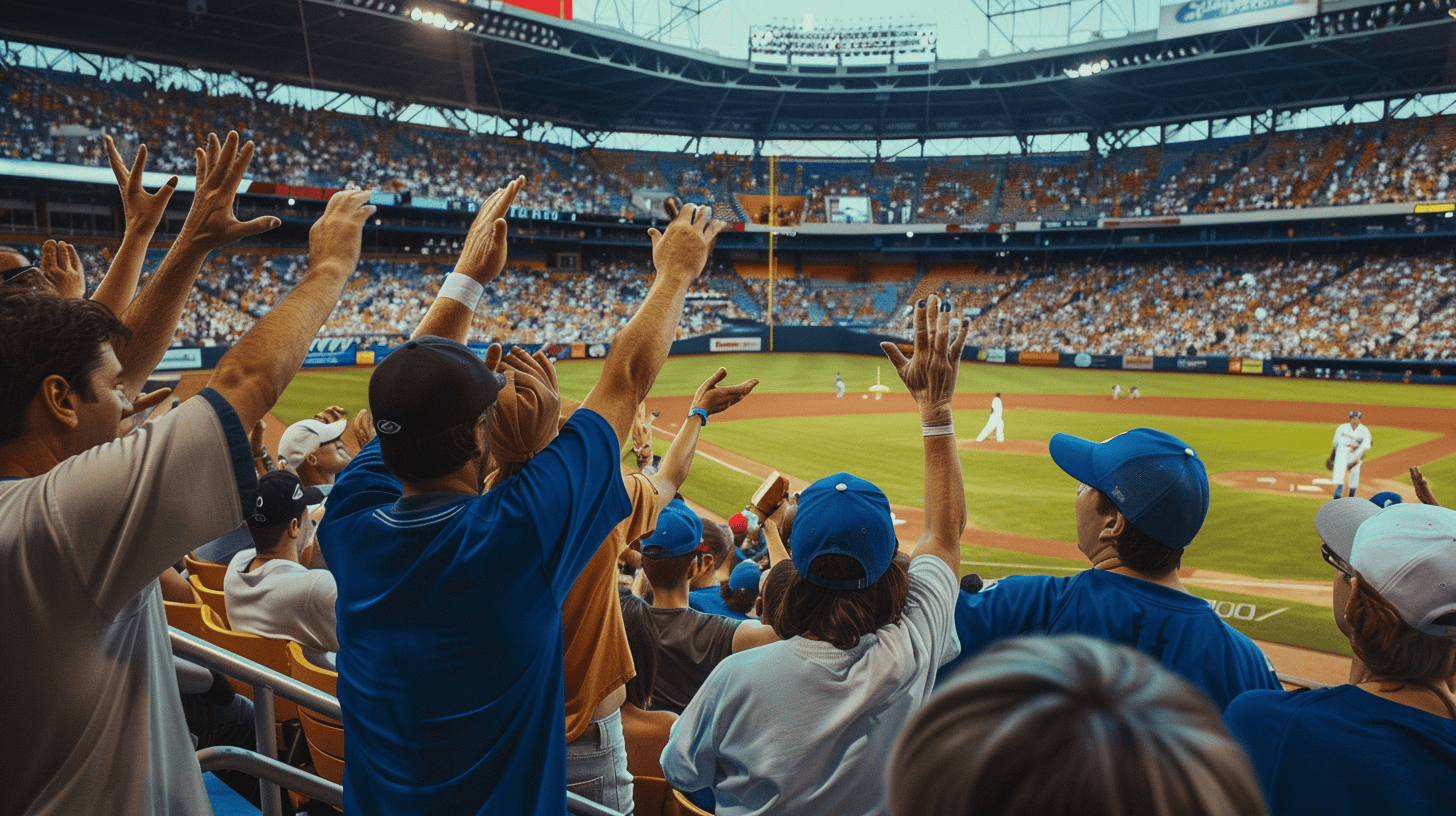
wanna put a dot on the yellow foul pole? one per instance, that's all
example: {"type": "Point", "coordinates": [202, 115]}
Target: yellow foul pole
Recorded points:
{"type": "Point", "coordinates": [773, 187]}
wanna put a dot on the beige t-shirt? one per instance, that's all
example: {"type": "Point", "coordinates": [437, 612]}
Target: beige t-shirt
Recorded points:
{"type": "Point", "coordinates": [595, 654]}
{"type": "Point", "coordinates": [89, 692]}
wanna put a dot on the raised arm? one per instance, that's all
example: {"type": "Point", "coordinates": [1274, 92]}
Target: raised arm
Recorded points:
{"type": "Point", "coordinates": [61, 265]}
{"type": "Point", "coordinates": [253, 374]}
{"type": "Point", "coordinates": [481, 261]}
{"type": "Point", "coordinates": [144, 212]}
{"type": "Point", "coordinates": [930, 376]}
{"type": "Point", "coordinates": [153, 315]}
{"type": "Point", "coordinates": [640, 348]}
{"type": "Point", "coordinates": [711, 399]}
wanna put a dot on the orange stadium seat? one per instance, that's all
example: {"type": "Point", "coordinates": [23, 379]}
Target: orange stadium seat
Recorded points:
{"type": "Point", "coordinates": [325, 735]}
{"type": "Point", "coordinates": [211, 598]}
{"type": "Point", "coordinates": [184, 616]}
{"type": "Point", "coordinates": [652, 796]}
{"type": "Point", "coordinates": [686, 807]}
{"type": "Point", "coordinates": [209, 573]}
{"type": "Point", "coordinates": [266, 651]}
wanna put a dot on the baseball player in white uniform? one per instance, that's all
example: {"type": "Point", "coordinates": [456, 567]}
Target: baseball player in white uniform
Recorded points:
{"type": "Point", "coordinates": [1352, 439]}
{"type": "Point", "coordinates": [994, 422]}
{"type": "Point", "coordinates": [1116, 391]}
{"type": "Point", "coordinates": [838, 386]}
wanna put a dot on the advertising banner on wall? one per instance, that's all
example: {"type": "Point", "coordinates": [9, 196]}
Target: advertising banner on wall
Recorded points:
{"type": "Point", "coordinates": [180, 359]}
{"type": "Point", "coordinates": [1203, 16]}
{"type": "Point", "coordinates": [991, 355]}
{"type": "Point", "coordinates": [1137, 363]}
{"type": "Point", "coordinates": [1040, 358]}
{"type": "Point", "coordinates": [736, 344]}
{"type": "Point", "coordinates": [331, 351]}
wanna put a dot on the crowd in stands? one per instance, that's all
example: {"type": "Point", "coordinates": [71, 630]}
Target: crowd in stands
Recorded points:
{"type": "Point", "coordinates": [509, 615]}
{"type": "Point", "coordinates": [58, 117]}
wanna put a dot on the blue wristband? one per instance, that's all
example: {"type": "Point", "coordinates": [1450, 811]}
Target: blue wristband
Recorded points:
{"type": "Point", "coordinates": [701, 413]}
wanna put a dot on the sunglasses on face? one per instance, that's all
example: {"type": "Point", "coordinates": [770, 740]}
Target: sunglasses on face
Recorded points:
{"type": "Point", "coordinates": [1334, 560]}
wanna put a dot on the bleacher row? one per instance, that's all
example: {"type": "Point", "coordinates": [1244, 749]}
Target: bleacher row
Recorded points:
{"type": "Point", "coordinates": [1240, 303]}
{"type": "Point", "coordinates": [59, 117]}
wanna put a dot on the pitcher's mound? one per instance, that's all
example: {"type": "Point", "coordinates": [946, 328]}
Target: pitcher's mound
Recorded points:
{"type": "Point", "coordinates": [1029, 446]}
{"type": "Point", "coordinates": [1308, 485]}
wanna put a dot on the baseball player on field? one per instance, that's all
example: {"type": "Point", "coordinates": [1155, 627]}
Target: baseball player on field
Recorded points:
{"type": "Point", "coordinates": [838, 386]}
{"type": "Point", "coordinates": [994, 422]}
{"type": "Point", "coordinates": [1116, 391]}
{"type": "Point", "coordinates": [1352, 440]}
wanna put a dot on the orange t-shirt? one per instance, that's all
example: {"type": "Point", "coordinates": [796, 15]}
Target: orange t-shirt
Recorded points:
{"type": "Point", "coordinates": [597, 660]}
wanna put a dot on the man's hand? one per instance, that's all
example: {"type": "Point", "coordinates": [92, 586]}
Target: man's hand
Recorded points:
{"type": "Point", "coordinates": [714, 400]}
{"type": "Point", "coordinates": [930, 372]}
{"type": "Point", "coordinates": [683, 250]}
{"type": "Point", "coordinates": [137, 412]}
{"type": "Point", "coordinates": [331, 414]}
{"type": "Point", "coordinates": [484, 255]}
{"type": "Point", "coordinates": [337, 236]}
{"type": "Point", "coordinates": [210, 223]}
{"type": "Point", "coordinates": [1423, 488]}
{"type": "Point", "coordinates": [255, 437]}
{"type": "Point", "coordinates": [62, 269]}
{"type": "Point", "coordinates": [143, 210]}
{"type": "Point", "coordinates": [642, 432]}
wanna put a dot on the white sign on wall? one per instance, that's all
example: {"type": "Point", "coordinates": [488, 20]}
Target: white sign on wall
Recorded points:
{"type": "Point", "coordinates": [1202, 16]}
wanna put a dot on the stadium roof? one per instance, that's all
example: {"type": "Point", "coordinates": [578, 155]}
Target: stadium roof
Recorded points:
{"type": "Point", "coordinates": [598, 80]}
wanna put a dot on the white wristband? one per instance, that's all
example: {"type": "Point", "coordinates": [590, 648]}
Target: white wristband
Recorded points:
{"type": "Point", "coordinates": [462, 288]}
{"type": "Point", "coordinates": [937, 430]}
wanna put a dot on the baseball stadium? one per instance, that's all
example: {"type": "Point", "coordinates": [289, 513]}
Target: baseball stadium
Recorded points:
{"type": "Point", "coordinates": [988, 245]}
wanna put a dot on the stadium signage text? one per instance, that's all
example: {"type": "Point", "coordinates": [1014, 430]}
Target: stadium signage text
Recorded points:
{"type": "Point", "coordinates": [1081, 223]}
{"type": "Point", "coordinates": [540, 215]}
{"type": "Point", "coordinates": [1203, 16]}
{"type": "Point", "coordinates": [179, 359]}
{"type": "Point", "coordinates": [736, 344]}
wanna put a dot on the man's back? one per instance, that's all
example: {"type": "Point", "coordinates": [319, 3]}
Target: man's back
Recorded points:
{"type": "Point", "coordinates": [689, 645]}
{"type": "Point", "coordinates": [1178, 630]}
{"type": "Point", "coordinates": [284, 599]}
{"type": "Point", "coordinates": [450, 669]}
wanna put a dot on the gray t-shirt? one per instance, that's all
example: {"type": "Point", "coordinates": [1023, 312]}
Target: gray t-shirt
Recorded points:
{"type": "Point", "coordinates": [89, 690]}
{"type": "Point", "coordinates": [689, 644]}
{"type": "Point", "coordinates": [285, 600]}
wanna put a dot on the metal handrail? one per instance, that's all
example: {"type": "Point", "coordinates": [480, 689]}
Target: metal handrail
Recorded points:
{"type": "Point", "coordinates": [1289, 679]}
{"type": "Point", "coordinates": [270, 772]}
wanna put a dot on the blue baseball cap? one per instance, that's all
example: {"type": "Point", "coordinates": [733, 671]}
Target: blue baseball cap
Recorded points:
{"type": "Point", "coordinates": [679, 532]}
{"type": "Point", "coordinates": [844, 515]}
{"type": "Point", "coordinates": [1386, 498]}
{"type": "Point", "coordinates": [745, 576]}
{"type": "Point", "coordinates": [1156, 481]}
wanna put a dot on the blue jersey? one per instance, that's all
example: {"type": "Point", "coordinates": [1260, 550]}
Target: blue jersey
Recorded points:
{"type": "Point", "coordinates": [450, 666]}
{"type": "Point", "coordinates": [1174, 628]}
{"type": "Point", "coordinates": [1341, 750]}
{"type": "Point", "coordinates": [710, 600]}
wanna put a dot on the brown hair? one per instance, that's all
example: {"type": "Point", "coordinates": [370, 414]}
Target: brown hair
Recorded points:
{"type": "Point", "coordinates": [666, 573]}
{"type": "Point", "coordinates": [642, 642]}
{"type": "Point", "coordinates": [740, 600]}
{"type": "Point", "coordinates": [1069, 725]}
{"type": "Point", "coordinates": [774, 587]}
{"type": "Point", "coordinates": [1392, 649]}
{"type": "Point", "coordinates": [1137, 550]}
{"type": "Point", "coordinates": [841, 616]}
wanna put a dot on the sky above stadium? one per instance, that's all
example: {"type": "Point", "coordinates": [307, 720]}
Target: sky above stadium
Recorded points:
{"type": "Point", "coordinates": [966, 28]}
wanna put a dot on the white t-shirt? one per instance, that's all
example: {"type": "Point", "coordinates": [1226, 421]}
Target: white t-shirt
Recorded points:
{"type": "Point", "coordinates": [802, 727]}
{"type": "Point", "coordinates": [89, 690]}
{"type": "Point", "coordinates": [284, 600]}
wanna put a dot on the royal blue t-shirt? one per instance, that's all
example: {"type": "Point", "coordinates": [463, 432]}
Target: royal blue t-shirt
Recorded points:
{"type": "Point", "coordinates": [710, 600]}
{"type": "Point", "coordinates": [1174, 628]}
{"type": "Point", "coordinates": [1340, 750]}
{"type": "Point", "coordinates": [449, 616]}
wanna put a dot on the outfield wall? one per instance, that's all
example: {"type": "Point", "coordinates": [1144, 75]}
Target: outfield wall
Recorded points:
{"type": "Point", "coordinates": [337, 353]}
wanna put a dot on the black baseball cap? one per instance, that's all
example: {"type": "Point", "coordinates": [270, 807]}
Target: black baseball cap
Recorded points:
{"type": "Point", "coordinates": [282, 498]}
{"type": "Point", "coordinates": [428, 386]}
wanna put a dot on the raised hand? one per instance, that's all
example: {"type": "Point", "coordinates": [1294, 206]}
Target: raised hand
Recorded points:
{"type": "Point", "coordinates": [331, 414]}
{"type": "Point", "coordinates": [713, 399]}
{"type": "Point", "coordinates": [642, 432]}
{"type": "Point", "coordinates": [484, 255]}
{"type": "Point", "coordinates": [210, 223]}
{"type": "Point", "coordinates": [143, 210]}
{"type": "Point", "coordinates": [62, 269]}
{"type": "Point", "coordinates": [682, 251]}
{"type": "Point", "coordinates": [930, 372]}
{"type": "Point", "coordinates": [362, 427]}
{"type": "Point", "coordinates": [1423, 488]}
{"type": "Point", "coordinates": [336, 237]}
{"type": "Point", "coordinates": [255, 437]}
{"type": "Point", "coordinates": [136, 413]}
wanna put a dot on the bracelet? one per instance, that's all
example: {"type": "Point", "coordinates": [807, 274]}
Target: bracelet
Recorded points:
{"type": "Point", "coordinates": [701, 413]}
{"type": "Point", "coordinates": [462, 288]}
{"type": "Point", "coordinates": [937, 430]}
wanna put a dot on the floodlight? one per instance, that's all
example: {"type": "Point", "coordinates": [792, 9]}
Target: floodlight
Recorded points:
{"type": "Point", "coordinates": [416, 14]}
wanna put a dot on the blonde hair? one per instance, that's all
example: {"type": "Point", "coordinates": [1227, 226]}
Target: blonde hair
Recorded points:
{"type": "Point", "coordinates": [1069, 725]}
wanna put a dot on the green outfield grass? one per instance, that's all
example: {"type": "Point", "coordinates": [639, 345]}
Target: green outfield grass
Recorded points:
{"type": "Point", "coordinates": [1267, 536]}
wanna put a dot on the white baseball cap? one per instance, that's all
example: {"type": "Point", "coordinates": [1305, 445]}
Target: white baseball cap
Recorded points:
{"type": "Point", "coordinates": [306, 436]}
{"type": "Point", "coordinates": [1407, 554]}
